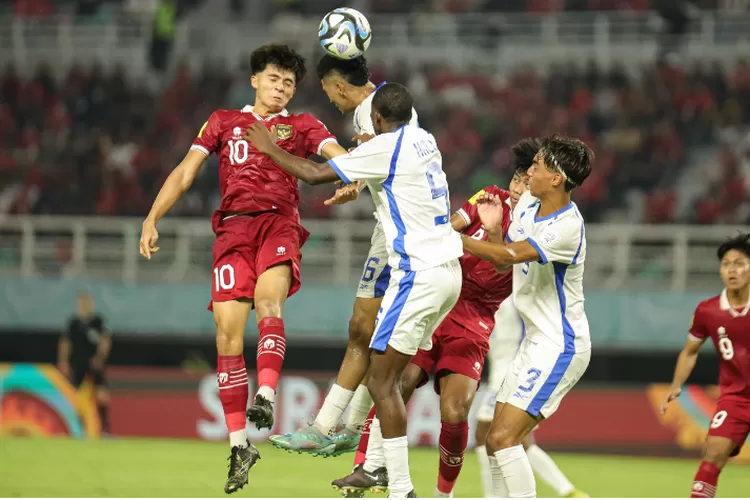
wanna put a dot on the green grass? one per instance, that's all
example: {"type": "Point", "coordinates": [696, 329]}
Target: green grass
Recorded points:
{"type": "Point", "coordinates": [171, 468]}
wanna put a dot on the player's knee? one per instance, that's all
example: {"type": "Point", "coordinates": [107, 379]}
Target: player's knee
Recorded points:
{"type": "Point", "coordinates": [360, 328]}
{"type": "Point", "coordinates": [500, 438]}
{"type": "Point", "coordinates": [102, 396]}
{"type": "Point", "coordinates": [381, 387]}
{"type": "Point", "coordinates": [229, 338]}
{"type": "Point", "coordinates": [715, 455]}
{"type": "Point", "coordinates": [455, 410]}
{"type": "Point", "coordinates": [268, 308]}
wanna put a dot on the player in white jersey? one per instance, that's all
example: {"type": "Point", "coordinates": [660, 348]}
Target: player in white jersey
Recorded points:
{"type": "Point", "coordinates": [347, 85]}
{"type": "Point", "coordinates": [504, 342]}
{"type": "Point", "coordinates": [402, 167]}
{"type": "Point", "coordinates": [546, 245]}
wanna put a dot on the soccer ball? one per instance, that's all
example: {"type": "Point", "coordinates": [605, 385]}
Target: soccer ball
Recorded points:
{"type": "Point", "coordinates": [345, 33]}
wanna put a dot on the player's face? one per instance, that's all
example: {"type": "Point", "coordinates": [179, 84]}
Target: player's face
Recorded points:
{"type": "Point", "coordinates": [336, 93]}
{"type": "Point", "coordinates": [519, 184]}
{"type": "Point", "coordinates": [85, 304]}
{"type": "Point", "coordinates": [541, 179]}
{"type": "Point", "coordinates": [275, 87]}
{"type": "Point", "coordinates": [735, 270]}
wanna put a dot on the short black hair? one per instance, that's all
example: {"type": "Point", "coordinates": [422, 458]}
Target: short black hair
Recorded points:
{"type": "Point", "coordinates": [524, 152]}
{"type": "Point", "coordinates": [570, 156]}
{"type": "Point", "coordinates": [279, 55]}
{"type": "Point", "coordinates": [741, 243]}
{"type": "Point", "coordinates": [354, 71]}
{"type": "Point", "coordinates": [394, 102]}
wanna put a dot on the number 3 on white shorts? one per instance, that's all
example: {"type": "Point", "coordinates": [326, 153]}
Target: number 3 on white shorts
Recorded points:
{"type": "Point", "coordinates": [718, 419]}
{"type": "Point", "coordinates": [224, 277]}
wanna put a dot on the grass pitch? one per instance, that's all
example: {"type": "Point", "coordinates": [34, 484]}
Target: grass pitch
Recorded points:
{"type": "Point", "coordinates": [172, 468]}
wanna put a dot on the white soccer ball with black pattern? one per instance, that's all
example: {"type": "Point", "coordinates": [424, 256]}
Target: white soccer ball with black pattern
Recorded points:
{"type": "Point", "coordinates": [345, 33]}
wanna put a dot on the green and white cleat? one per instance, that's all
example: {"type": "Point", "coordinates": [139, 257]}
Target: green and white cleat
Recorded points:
{"type": "Point", "coordinates": [346, 441]}
{"type": "Point", "coordinates": [305, 440]}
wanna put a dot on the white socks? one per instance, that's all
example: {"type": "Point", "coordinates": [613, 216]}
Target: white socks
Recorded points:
{"type": "Point", "coordinates": [484, 468]}
{"type": "Point", "coordinates": [238, 438]}
{"type": "Point", "coordinates": [375, 457]}
{"type": "Point", "coordinates": [267, 393]}
{"type": "Point", "coordinates": [499, 488]}
{"type": "Point", "coordinates": [543, 465]}
{"type": "Point", "coordinates": [515, 468]}
{"type": "Point", "coordinates": [396, 452]}
{"type": "Point", "coordinates": [361, 404]}
{"type": "Point", "coordinates": [333, 407]}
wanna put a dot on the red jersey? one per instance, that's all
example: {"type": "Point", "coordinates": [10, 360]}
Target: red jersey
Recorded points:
{"type": "Point", "coordinates": [730, 331]}
{"type": "Point", "coordinates": [251, 181]}
{"type": "Point", "coordinates": [483, 288]}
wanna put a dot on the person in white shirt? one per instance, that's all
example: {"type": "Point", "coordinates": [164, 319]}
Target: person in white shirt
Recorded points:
{"type": "Point", "coordinates": [402, 168]}
{"type": "Point", "coordinates": [546, 244]}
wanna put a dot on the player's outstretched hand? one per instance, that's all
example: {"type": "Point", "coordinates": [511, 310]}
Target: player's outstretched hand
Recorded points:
{"type": "Point", "coordinates": [362, 138]}
{"type": "Point", "coordinates": [259, 136]}
{"type": "Point", "coordinates": [490, 211]}
{"type": "Point", "coordinates": [674, 393]}
{"type": "Point", "coordinates": [149, 237]}
{"type": "Point", "coordinates": [349, 192]}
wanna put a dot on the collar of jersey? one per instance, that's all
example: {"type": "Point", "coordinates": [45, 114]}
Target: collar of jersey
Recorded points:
{"type": "Point", "coordinates": [251, 109]}
{"type": "Point", "coordinates": [726, 306]}
{"type": "Point", "coordinates": [553, 214]}
{"type": "Point", "coordinates": [379, 85]}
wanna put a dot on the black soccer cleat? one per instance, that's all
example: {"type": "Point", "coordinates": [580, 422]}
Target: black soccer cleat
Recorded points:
{"type": "Point", "coordinates": [356, 484]}
{"type": "Point", "coordinates": [261, 412]}
{"type": "Point", "coordinates": [412, 494]}
{"type": "Point", "coordinates": [240, 462]}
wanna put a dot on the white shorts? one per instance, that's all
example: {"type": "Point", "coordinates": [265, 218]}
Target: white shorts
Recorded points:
{"type": "Point", "coordinates": [415, 303]}
{"type": "Point", "coordinates": [504, 342]}
{"type": "Point", "coordinates": [377, 272]}
{"type": "Point", "coordinates": [540, 376]}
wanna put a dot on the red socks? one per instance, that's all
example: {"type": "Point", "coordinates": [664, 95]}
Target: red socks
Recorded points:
{"type": "Point", "coordinates": [359, 458]}
{"type": "Point", "coordinates": [271, 350]}
{"type": "Point", "coordinates": [453, 441]}
{"type": "Point", "coordinates": [233, 390]}
{"type": "Point", "coordinates": [704, 484]}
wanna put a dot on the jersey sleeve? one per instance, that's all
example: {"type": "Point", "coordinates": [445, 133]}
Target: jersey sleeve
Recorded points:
{"type": "Point", "coordinates": [369, 162]}
{"type": "Point", "coordinates": [316, 136]}
{"type": "Point", "coordinates": [99, 325]}
{"type": "Point", "coordinates": [698, 325]}
{"type": "Point", "coordinates": [468, 210]}
{"type": "Point", "coordinates": [209, 136]}
{"type": "Point", "coordinates": [559, 242]}
{"type": "Point", "coordinates": [363, 120]}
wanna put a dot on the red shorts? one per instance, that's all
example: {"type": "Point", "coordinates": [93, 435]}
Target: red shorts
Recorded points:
{"type": "Point", "coordinates": [247, 245]}
{"type": "Point", "coordinates": [732, 421]}
{"type": "Point", "coordinates": [455, 349]}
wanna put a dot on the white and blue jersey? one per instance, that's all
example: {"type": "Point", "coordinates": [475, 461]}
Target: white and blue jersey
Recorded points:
{"type": "Point", "coordinates": [403, 170]}
{"type": "Point", "coordinates": [548, 295]}
{"type": "Point", "coordinates": [363, 115]}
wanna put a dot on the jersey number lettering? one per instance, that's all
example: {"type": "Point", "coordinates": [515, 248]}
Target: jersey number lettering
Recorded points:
{"type": "Point", "coordinates": [718, 419]}
{"type": "Point", "coordinates": [534, 375]}
{"type": "Point", "coordinates": [439, 188]}
{"type": "Point", "coordinates": [726, 348]}
{"type": "Point", "coordinates": [369, 270]}
{"type": "Point", "coordinates": [238, 152]}
{"type": "Point", "coordinates": [224, 277]}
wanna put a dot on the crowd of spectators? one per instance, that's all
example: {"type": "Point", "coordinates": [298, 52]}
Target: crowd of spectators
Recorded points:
{"type": "Point", "coordinates": [95, 143]}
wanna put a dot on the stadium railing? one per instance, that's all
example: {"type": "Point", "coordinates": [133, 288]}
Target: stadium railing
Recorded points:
{"type": "Point", "coordinates": [619, 257]}
{"type": "Point", "coordinates": [492, 40]}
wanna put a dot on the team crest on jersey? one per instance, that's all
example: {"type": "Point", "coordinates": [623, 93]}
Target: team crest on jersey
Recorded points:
{"type": "Point", "coordinates": [237, 133]}
{"type": "Point", "coordinates": [283, 132]}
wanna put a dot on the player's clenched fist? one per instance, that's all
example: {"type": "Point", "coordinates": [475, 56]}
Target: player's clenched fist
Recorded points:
{"type": "Point", "coordinates": [490, 211]}
{"type": "Point", "coordinates": [674, 393]}
{"type": "Point", "coordinates": [149, 237]}
{"type": "Point", "coordinates": [349, 192]}
{"type": "Point", "coordinates": [258, 135]}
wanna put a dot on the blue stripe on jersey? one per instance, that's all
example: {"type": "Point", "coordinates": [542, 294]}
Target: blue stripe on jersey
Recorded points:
{"type": "Point", "coordinates": [553, 214]}
{"type": "Point", "coordinates": [385, 329]}
{"type": "Point", "coordinates": [338, 171]}
{"type": "Point", "coordinates": [380, 85]}
{"type": "Point", "coordinates": [398, 243]}
{"type": "Point", "coordinates": [542, 256]}
{"type": "Point", "coordinates": [564, 359]}
{"type": "Point", "coordinates": [381, 284]}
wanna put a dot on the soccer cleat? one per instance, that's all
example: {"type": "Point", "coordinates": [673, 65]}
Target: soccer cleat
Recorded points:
{"type": "Point", "coordinates": [240, 462]}
{"type": "Point", "coordinates": [261, 412]}
{"type": "Point", "coordinates": [356, 484]}
{"type": "Point", "coordinates": [308, 440]}
{"type": "Point", "coordinates": [576, 493]}
{"type": "Point", "coordinates": [346, 441]}
{"type": "Point", "coordinates": [413, 494]}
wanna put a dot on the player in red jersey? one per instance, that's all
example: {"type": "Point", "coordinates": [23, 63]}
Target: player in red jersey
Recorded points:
{"type": "Point", "coordinates": [725, 320]}
{"type": "Point", "coordinates": [460, 345]}
{"type": "Point", "coordinates": [256, 255]}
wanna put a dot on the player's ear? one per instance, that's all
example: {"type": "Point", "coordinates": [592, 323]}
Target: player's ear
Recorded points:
{"type": "Point", "coordinates": [254, 81]}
